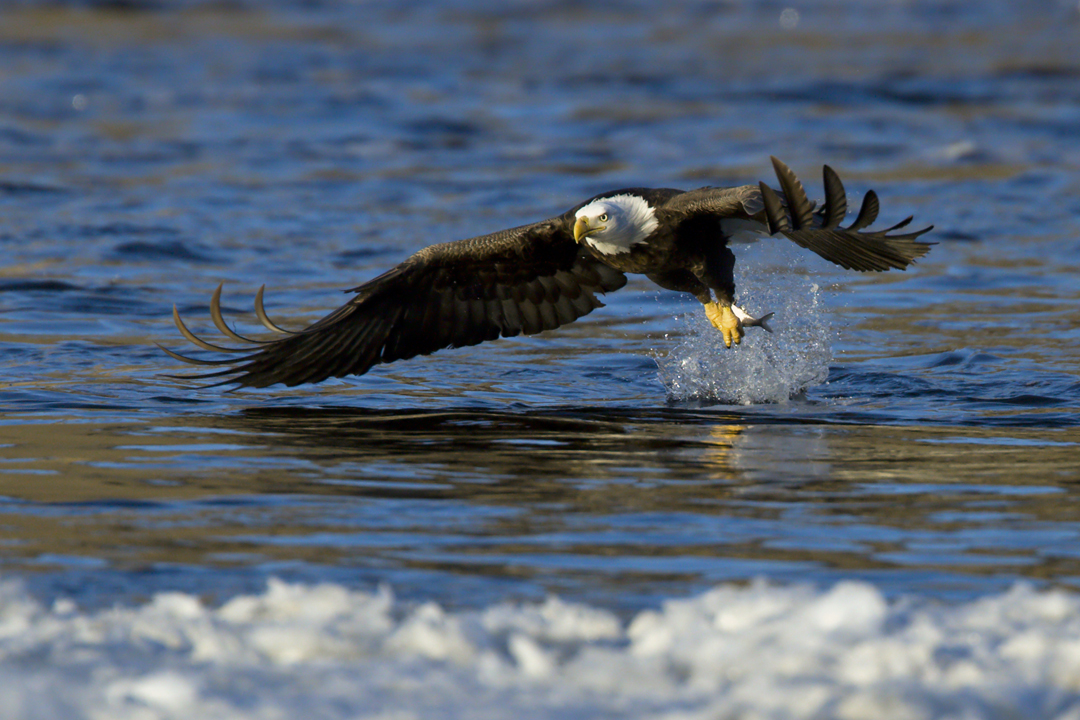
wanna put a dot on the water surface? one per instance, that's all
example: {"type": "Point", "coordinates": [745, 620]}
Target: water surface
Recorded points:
{"type": "Point", "coordinates": [914, 432]}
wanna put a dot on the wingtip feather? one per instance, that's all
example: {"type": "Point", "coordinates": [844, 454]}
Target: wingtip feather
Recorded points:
{"type": "Point", "coordinates": [868, 212]}
{"type": "Point", "coordinates": [775, 216]}
{"type": "Point", "coordinates": [835, 198]}
{"type": "Point", "coordinates": [260, 312]}
{"type": "Point", "coordinates": [799, 206]}
{"type": "Point", "coordinates": [221, 325]}
{"type": "Point", "coordinates": [196, 340]}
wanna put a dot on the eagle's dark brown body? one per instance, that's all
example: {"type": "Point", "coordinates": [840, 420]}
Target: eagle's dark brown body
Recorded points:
{"type": "Point", "coordinates": [537, 277]}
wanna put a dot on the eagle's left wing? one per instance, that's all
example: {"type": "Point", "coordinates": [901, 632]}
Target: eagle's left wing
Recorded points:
{"type": "Point", "coordinates": [791, 214]}
{"type": "Point", "coordinates": [518, 281]}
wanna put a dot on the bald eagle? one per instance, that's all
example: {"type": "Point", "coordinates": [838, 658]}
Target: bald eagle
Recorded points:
{"type": "Point", "coordinates": [539, 276]}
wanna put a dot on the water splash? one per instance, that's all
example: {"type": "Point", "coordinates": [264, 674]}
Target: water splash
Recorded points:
{"type": "Point", "coordinates": [765, 368]}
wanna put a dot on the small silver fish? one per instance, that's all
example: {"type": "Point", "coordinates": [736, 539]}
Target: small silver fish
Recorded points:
{"type": "Point", "coordinates": [750, 321]}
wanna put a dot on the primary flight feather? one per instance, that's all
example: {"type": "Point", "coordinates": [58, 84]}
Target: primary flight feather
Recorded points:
{"type": "Point", "coordinates": [537, 277]}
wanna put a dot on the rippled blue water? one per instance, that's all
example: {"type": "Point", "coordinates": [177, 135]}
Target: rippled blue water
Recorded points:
{"type": "Point", "coordinates": [931, 443]}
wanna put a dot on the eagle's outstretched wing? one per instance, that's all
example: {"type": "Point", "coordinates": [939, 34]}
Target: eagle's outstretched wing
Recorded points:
{"type": "Point", "coordinates": [518, 281]}
{"type": "Point", "coordinates": [791, 214]}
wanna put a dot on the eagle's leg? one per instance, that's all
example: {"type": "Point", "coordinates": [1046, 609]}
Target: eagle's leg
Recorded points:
{"type": "Point", "coordinates": [718, 273]}
{"type": "Point", "coordinates": [724, 320]}
{"type": "Point", "coordinates": [702, 284]}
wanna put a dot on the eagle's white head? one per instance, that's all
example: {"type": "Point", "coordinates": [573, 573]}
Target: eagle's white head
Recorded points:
{"type": "Point", "coordinates": [612, 225]}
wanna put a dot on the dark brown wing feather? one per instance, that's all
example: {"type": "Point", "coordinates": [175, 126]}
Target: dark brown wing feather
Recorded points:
{"type": "Point", "coordinates": [519, 281]}
{"type": "Point", "coordinates": [790, 213]}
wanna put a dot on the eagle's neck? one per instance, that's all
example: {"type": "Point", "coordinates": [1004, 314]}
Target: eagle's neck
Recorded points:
{"type": "Point", "coordinates": [636, 222]}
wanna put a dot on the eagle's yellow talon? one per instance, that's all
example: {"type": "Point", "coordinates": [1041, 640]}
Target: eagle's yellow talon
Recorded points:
{"type": "Point", "coordinates": [724, 320]}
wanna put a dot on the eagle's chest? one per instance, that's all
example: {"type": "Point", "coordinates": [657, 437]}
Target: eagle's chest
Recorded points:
{"type": "Point", "coordinates": [663, 250]}
{"type": "Point", "coordinates": [655, 251]}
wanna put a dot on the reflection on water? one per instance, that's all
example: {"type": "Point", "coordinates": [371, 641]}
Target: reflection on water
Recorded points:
{"type": "Point", "coordinates": [620, 506]}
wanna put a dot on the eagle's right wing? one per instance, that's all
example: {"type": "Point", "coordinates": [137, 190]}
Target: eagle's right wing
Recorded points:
{"type": "Point", "coordinates": [791, 214]}
{"type": "Point", "coordinates": [518, 281]}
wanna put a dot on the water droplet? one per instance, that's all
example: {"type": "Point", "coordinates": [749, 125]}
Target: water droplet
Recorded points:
{"type": "Point", "coordinates": [789, 19]}
{"type": "Point", "coordinates": [765, 368]}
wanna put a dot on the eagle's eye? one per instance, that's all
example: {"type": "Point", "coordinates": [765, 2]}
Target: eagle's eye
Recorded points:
{"type": "Point", "coordinates": [603, 218]}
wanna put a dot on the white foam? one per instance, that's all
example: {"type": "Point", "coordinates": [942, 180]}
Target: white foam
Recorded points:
{"type": "Point", "coordinates": [757, 651]}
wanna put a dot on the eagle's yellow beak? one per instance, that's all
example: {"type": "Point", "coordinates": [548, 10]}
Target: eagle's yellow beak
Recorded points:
{"type": "Point", "coordinates": [582, 228]}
